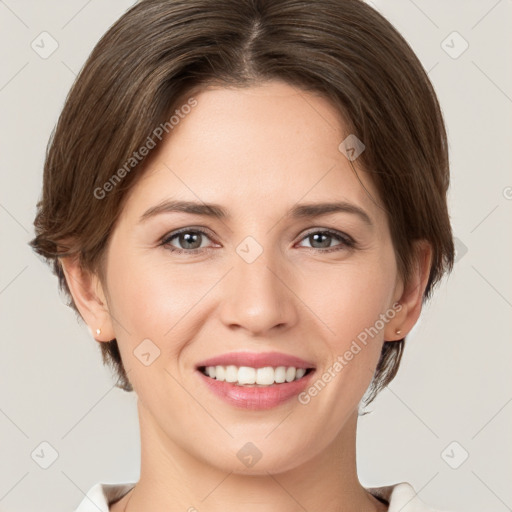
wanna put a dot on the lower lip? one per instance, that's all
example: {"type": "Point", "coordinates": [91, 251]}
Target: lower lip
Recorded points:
{"type": "Point", "coordinates": [255, 397]}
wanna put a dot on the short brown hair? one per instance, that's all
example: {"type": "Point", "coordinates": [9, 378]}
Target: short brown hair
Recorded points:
{"type": "Point", "coordinates": [160, 50]}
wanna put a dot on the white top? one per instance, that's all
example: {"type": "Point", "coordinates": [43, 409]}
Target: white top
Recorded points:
{"type": "Point", "coordinates": [401, 497]}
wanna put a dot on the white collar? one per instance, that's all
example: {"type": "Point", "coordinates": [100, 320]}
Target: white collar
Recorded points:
{"type": "Point", "coordinates": [401, 497]}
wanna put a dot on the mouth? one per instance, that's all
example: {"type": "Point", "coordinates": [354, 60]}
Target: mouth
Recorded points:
{"type": "Point", "coordinates": [246, 376]}
{"type": "Point", "coordinates": [255, 380]}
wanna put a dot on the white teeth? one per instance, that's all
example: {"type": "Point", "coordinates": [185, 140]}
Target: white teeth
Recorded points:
{"type": "Point", "coordinates": [246, 376]}
{"type": "Point", "coordinates": [220, 373]}
{"type": "Point", "coordinates": [231, 373]}
{"type": "Point", "coordinates": [300, 373]}
{"type": "Point", "coordinates": [280, 374]}
{"type": "Point", "coordinates": [265, 376]}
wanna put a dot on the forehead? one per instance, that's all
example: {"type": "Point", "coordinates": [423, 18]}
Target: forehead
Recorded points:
{"type": "Point", "coordinates": [270, 145]}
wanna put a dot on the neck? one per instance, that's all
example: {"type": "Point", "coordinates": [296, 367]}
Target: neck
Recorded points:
{"type": "Point", "coordinates": [172, 479]}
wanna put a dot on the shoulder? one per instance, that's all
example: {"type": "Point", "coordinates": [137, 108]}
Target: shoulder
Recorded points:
{"type": "Point", "coordinates": [402, 497]}
{"type": "Point", "coordinates": [101, 495]}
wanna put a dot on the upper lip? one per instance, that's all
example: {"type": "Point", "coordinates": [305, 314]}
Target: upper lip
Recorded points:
{"type": "Point", "coordinates": [256, 360]}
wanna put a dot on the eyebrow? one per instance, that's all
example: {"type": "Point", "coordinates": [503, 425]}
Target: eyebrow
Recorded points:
{"type": "Point", "coordinates": [216, 211]}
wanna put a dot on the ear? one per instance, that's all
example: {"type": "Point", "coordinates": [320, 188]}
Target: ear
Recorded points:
{"type": "Point", "coordinates": [89, 298]}
{"type": "Point", "coordinates": [410, 296]}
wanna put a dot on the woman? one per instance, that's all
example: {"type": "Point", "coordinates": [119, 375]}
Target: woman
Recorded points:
{"type": "Point", "coordinates": [246, 203]}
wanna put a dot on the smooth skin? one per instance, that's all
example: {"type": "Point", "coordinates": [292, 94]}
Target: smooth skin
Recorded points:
{"type": "Point", "coordinates": [257, 152]}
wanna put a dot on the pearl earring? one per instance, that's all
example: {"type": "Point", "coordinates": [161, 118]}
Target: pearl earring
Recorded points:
{"type": "Point", "coordinates": [98, 331]}
{"type": "Point", "coordinates": [398, 331]}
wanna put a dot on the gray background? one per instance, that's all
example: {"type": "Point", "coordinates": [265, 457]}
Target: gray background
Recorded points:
{"type": "Point", "coordinates": [454, 384]}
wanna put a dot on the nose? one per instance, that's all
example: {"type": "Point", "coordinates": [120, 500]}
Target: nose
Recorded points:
{"type": "Point", "coordinates": [258, 296]}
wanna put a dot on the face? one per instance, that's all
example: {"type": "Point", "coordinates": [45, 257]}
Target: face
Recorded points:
{"type": "Point", "coordinates": [266, 280]}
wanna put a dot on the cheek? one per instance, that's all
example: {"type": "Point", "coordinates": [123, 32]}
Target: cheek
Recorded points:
{"type": "Point", "coordinates": [154, 300]}
{"type": "Point", "coordinates": [350, 305]}
{"type": "Point", "coordinates": [349, 298]}
{"type": "Point", "coordinates": [350, 302]}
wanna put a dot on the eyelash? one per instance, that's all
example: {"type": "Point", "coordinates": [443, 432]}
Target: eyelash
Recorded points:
{"type": "Point", "coordinates": [347, 241]}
